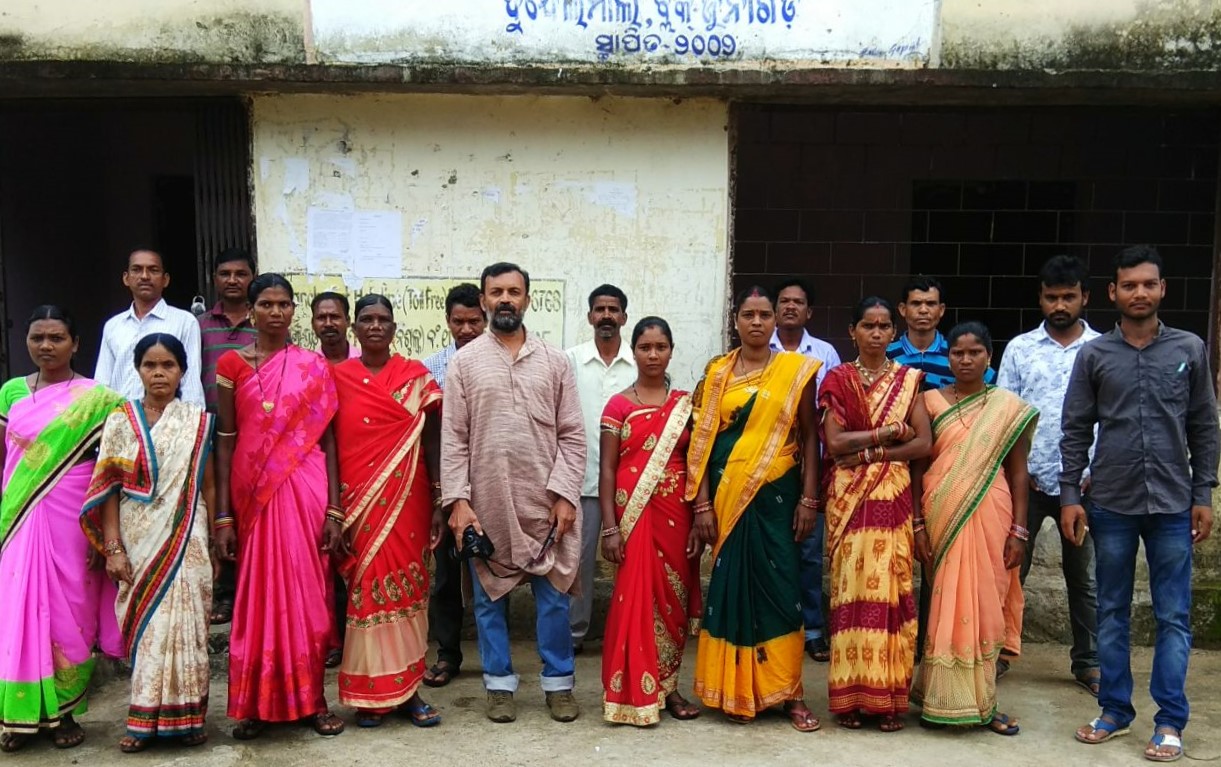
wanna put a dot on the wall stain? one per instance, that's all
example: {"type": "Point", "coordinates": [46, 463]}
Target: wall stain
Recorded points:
{"type": "Point", "coordinates": [240, 37]}
{"type": "Point", "coordinates": [1164, 35]}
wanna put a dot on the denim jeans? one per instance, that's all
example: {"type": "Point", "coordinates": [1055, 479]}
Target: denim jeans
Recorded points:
{"type": "Point", "coordinates": [1168, 551]}
{"type": "Point", "coordinates": [551, 625]}
{"type": "Point", "coordinates": [811, 580]}
{"type": "Point", "coordinates": [1077, 563]}
{"type": "Point", "coordinates": [581, 606]}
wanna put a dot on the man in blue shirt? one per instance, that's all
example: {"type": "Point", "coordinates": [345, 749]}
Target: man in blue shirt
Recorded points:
{"type": "Point", "coordinates": [923, 347]}
{"type": "Point", "coordinates": [793, 300]}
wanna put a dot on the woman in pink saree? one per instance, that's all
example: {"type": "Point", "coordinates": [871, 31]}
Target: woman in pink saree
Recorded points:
{"type": "Point", "coordinates": [278, 493]}
{"type": "Point", "coordinates": [54, 608]}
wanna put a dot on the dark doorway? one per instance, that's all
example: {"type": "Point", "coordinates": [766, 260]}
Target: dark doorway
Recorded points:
{"type": "Point", "coordinates": [83, 183]}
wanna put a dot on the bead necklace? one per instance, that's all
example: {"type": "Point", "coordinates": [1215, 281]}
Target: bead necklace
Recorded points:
{"type": "Point", "coordinates": [869, 375]}
{"type": "Point", "coordinates": [636, 394]}
{"type": "Point", "coordinates": [958, 401]}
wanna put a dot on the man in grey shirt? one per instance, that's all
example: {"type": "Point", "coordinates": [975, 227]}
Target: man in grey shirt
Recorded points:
{"type": "Point", "coordinates": [1150, 391]}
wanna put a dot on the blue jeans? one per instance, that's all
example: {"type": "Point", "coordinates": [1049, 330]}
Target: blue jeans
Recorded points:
{"type": "Point", "coordinates": [554, 637]}
{"type": "Point", "coordinates": [1168, 551]}
{"type": "Point", "coordinates": [811, 580]}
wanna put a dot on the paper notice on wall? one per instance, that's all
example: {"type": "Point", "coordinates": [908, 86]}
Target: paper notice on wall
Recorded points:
{"type": "Point", "coordinates": [364, 243]}
{"type": "Point", "coordinates": [379, 244]}
{"type": "Point", "coordinates": [296, 175]}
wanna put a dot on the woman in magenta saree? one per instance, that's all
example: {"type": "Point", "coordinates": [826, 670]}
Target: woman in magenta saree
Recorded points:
{"type": "Point", "coordinates": [278, 485]}
{"type": "Point", "coordinates": [53, 608]}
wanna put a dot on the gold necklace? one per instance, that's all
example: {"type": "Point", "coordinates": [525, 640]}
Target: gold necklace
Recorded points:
{"type": "Point", "coordinates": [760, 369]}
{"type": "Point", "coordinates": [871, 374]}
{"type": "Point", "coordinates": [269, 405]}
{"type": "Point", "coordinates": [665, 397]}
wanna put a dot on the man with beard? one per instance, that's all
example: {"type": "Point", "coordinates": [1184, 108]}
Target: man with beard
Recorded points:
{"type": "Point", "coordinates": [1036, 367]}
{"type": "Point", "coordinates": [793, 300]}
{"type": "Point", "coordinates": [227, 326]}
{"type": "Point", "coordinates": [146, 278]}
{"type": "Point", "coordinates": [604, 366]}
{"type": "Point", "coordinates": [1149, 390]}
{"type": "Point", "coordinates": [330, 319]}
{"type": "Point", "coordinates": [466, 322]}
{"type": "Point", "coordinates": [512, 461]}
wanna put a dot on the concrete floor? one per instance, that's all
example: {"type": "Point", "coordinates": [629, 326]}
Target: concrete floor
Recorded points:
{"type": "Point", "coordinates": [1038, 691]}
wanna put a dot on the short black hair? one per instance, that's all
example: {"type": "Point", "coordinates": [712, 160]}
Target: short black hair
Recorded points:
{"type": "Point", "coordinates": [754, 291]}
{"type": "Point", "coordinates": [609, 291]}
{"type": "Point", "coordinates": [371, 299]}
{"type": "Point", "coordinates": [53, 312]}
{"type": "Point", "coordinates": [143, 249]}
{"type": "Point", "coordinates": [1064, 272]}
{"type": "Point", "coordinates": [970, 328]}
{"type": "Point", "coordinates": [1137, 255]}
{"type": "Point", "coordinates": [796, 283]}
{"type": "Point", "coordinates": [463, 294]}
{"type": "Point", "coordinates": [499, 268]}
{"type": "Point", "coordinates": [923, 283]}
{"type": "Point", "coordinates": [229, 255]}
{"type": "Point", "coordinates": [267, 281]}
{"type": "Point", "coordinates": [330, 295]}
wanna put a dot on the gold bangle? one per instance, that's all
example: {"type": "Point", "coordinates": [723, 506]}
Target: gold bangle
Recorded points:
{"type": "Point", "coordinates": [222, 522]}
{"type": "Point", "coordinates": [226, 433]}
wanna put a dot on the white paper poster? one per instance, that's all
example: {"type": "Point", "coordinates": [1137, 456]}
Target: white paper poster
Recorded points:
{"type": "Point", "coordinates": [364, 243]}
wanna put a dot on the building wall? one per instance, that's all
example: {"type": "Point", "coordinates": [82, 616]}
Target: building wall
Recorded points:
{"type": "Point", "coordinates": [631, 36]}
{"type": "Point", "coordinates": [857, 201]}
{"type": "Point", "coordinates": [627, 191]}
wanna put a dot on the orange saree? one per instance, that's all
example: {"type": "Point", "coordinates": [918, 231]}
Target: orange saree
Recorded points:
{"type": "Point", "coordinates": [385, 495]}
{"type": "Point", "coordinates": [968, 510]}
{"type": "Point", "coordinates": [656, 601]}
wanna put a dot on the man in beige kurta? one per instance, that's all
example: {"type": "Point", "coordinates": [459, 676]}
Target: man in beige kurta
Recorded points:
{"type": "Point", "coordinates": [512, 461]}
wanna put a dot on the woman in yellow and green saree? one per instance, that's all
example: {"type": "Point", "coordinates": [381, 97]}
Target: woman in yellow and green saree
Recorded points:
{"type": "Point", "coordinates": [755, 418]}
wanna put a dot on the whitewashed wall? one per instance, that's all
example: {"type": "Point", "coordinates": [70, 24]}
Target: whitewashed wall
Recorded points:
{"type": "Point", "coordinates": [713, 32]}
{"type": "Point", "coordinates": [628, 191]}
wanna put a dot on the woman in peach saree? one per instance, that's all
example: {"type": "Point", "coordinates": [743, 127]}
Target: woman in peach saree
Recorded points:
{"type": "Point", "coordinates": [974, 501]}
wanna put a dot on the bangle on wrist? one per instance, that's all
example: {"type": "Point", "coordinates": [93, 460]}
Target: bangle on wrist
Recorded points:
{"type": "Point", "coordinates": [220, 522]}
{"type": "Point", "coordinates": [609, 531]}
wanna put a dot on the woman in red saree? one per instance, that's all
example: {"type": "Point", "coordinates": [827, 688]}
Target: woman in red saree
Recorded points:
{"type": "Point", "coordinates": [277, 479]}
{"type": "Point", "coordinates": [656, 602]}
{"type": "Point", "coordinates": [388, 432]}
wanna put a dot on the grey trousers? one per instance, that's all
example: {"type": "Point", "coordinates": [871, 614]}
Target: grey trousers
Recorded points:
{"type": "Point", "coordinates": [581, 606]}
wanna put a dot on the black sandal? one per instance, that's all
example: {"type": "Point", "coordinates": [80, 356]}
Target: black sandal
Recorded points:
{"type": "Point", "coordinates": [441, 673]}
{"type": "Point", "coordinates": [12, 742]}
{"type": "Point", "coordinates": [249, 729]}
{"type": "Point", "coordinates": [680, 708]}
{"type": "Point", "coordinates": [69, 734]}
{"type": "Point", "coordinates": [222, 612]}
{"type": "Point", "coordinates": [130, 744]}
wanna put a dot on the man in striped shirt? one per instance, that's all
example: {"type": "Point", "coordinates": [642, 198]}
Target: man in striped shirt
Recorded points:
{"type": "Point", "coordinates": [923, 347]}
{"type": "Point", "coordinates": [227, 324]}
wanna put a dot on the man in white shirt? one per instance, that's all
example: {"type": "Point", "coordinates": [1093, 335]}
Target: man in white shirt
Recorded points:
{"type": "Point", "coordinates": [603, 367]}
{"type": "Point", "coordinates": [793, 299]}
{"type": "Point", "coordinates": [147, 279]}
{"type": "Point", "coordinates": [1036, 367]}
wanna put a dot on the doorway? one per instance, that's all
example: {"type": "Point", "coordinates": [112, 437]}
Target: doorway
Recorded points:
{"type": "Point", "coordinates": [83, 183]}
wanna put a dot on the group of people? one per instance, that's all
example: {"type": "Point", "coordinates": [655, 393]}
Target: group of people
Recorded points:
{"type": "Point", "coordinates": [336, 476]}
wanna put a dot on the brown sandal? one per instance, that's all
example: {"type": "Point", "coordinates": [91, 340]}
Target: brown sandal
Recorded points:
{"type": "Point", "coordinates": [802, 721]}
{"type": "Point", "coordinates": [891, 723]}
{"type": "Point", "coordinates": [133, 745]}
{"type": "Point", "coordinates": [249, 729]}
{"type": "Point", "coordinates": [12, 742]}
{"type": "Point", "coordinates": [69, 734]}
{"type": "Point", "coordinates": [327, 724]}
{"type": "Point", "coordinates": [680, 708]}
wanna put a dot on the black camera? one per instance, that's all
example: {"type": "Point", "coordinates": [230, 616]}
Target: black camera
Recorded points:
{"type": "Point", "coordinates": [475, 545]}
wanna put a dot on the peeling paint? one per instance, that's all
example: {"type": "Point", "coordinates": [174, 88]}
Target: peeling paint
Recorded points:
{"type": "Point", "coordinates": [1162, 35]}
{"type": "Point", "coordinates": [235, 37]}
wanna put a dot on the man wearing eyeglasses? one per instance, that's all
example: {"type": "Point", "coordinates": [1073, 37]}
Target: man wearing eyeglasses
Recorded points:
{"type": "Point", "coordinates": [147, 280]}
